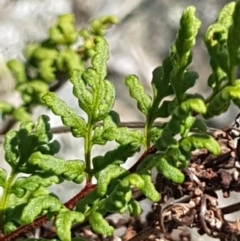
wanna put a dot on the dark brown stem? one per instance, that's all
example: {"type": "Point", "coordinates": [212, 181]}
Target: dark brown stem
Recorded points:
{"type": "Point", "coordinates": [149, 151]}
{"type": "Point", "coordinates": [231, 208]}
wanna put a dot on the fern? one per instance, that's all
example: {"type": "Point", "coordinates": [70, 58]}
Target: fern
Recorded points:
{"type": "Point", "coordinates": [31, 150]}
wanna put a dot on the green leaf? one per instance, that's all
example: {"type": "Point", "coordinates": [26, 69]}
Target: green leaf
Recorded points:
{"type": "Point", "coordinates": [10, 147]}
{"type": "Point", "coordinates": [68, 115]}
{"type": "Point", "coordinates": [119, 198]}
{"type": "Point", "coordinates": [144, 184]}
{"type": "Point", "coordinates": [13, 214]}
{"type": "Point", "coordinates": [64, 32]}
{"type": "Point", "coordinates": [136, 90]}
{"type": "Point", "coordinates": [72, 170]}
{"type": "Point", "coordinates": [155, 133]}
{"type": "Point", "coordinates": [181, 55]}
{"type": "Point", "coordinates": [69, 60]}
{"type": "Point", "coordinates": [43, 129]}
{"type": "Point", "coordinates": [46, 70]}
{"type": "Point", "coordinates": [149, 189]}
{"type": "Point", "coordinates": [35, 139]}
{"type": "Point", "coordinates": [161, 81]}
{"type": "Point", "coordinates": [32, 92]}
{"type": "Point", "coordinates": [80, 90]}
{"type": "Point", "coordinates": [109, 126]}
{"type": "Point", "coordinates": [5, 107]}
{"type": "Point", "coordinates": [221, 101]}
{"type": "Point", "coordinates": [100, 58]}
{"type": "Point", "coordinates": [124, 136]}
{"type": "Point", "coordinates": [100, 225]}
{"type": "Point", "coordinates": [192, 104]}
{"type": "Point", "coordinates": [21, 114]}
{"type": "Point", "coordinates": [169, 172]}
{"type": "Point", "coordinates": [134, 208]}
{"type": "Point", "coordinates": [41, 54]}
{"type": "Point", "coordinates": [225, 15]}
{"type": "Point", "coordinates": [32, 183]}
{"type": "Point", "coordinates": [215, 41]}
{"type": "Point", "coordinates": [100, 25]}
{"type": "Point", "coordinates": [10, 227]}
{"type": "Point", "coordinates": [189, 80]}
{"type": "Point", "coordinates": [200, 141]}
{"type": "Point", "coordinates": [64, 221]}
{"type": "Point", "coordinates": [117, 156]}
{"type": "Point", "coordinates": [104, 177]}
{"type": "Point", "coordinates": [185, 40]}
{"type": "Point", "coordinates": [49, 148]}
{"type": "Point", "coordinates": [95, 94]}
{"type": "Point", "coordinates": [18, 70]}
{"type": "Point", "coordinates": [38, 206]}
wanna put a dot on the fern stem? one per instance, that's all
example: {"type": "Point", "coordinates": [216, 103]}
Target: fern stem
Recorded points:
{"type": "Point", "coordinates": [146, 130]}
{"type": "Point", "coordinates": [5, 198]}
{"type": "Point", "coordinates": [87, 150]}
{"type": "Point", "coordinates": [232, 76]}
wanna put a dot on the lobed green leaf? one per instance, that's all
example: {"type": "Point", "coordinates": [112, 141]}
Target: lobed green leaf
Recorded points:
{"type": "Point", "coordinates": [136, 90]}
{"type": "Point", "coordinates": [72, 170]}
{"type": "Point", "coordinates": [6, 108]}
{"type": "Point", "coordinates": [18, 70]}
{"type": "Point", "coordinates": [95, 94]}
{"type": "Point", "coordinates": [64, 220]}
{"type": "Point", "coordinates": [64, 32]}
{"type": "Point", "coordinates": [10, 147]}
{"type": "Point", "coordinates": [134, 208]}
{"type": "Point", "coordinates": [104, 177]}
{"type": "Point", "coordinates": [117, 156]}
{"type": "Point", "coordinates": [200, 141]}
{"type": "Point", "coordinates": [68, 115]}
{"type": "Point", "coordinates": [149, 189]}
{"type": "Point", "coordinates": [169, 172]}
{"type": "Point", "coordinates": [32, 183]}
{"type": "Point", "coordinates": [105, 132]}
{"type": "Point", "coordinates": [100, 225]}
{"type": "Point", "coordinates": [38, 206]}
{"type": "Point", "coordinates": [221, 101]}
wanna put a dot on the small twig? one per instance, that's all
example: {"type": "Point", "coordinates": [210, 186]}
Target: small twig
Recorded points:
{"type": "Point", "coordinates": [218, 160]}
{"type": "Point", "coordinates": [84, 192]}
{"type": "Point", "coordinates": [65, 129]}
{"type": "Point", "coordinates": [231, 208]}
{"type": "Point", "coordinates": [193, 177]}
{"type": "Point", "coordinates": [164, 208]}
{"type": "Point", "coordinates": [131, 124]}
{"type": "Point", "coordinates": [149, 151]}
{"type": "Point", "coordinates": [203, 210]}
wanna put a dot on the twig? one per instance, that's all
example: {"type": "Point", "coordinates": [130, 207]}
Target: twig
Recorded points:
{"type": "Point", "coordinates": [231, 208]}
{"type": "Point", "coordinates": [131, 124]}
{"type": "Point", "coordinates": [203, 210]}
{"type": "Point", "coordinates": [149, 151]}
